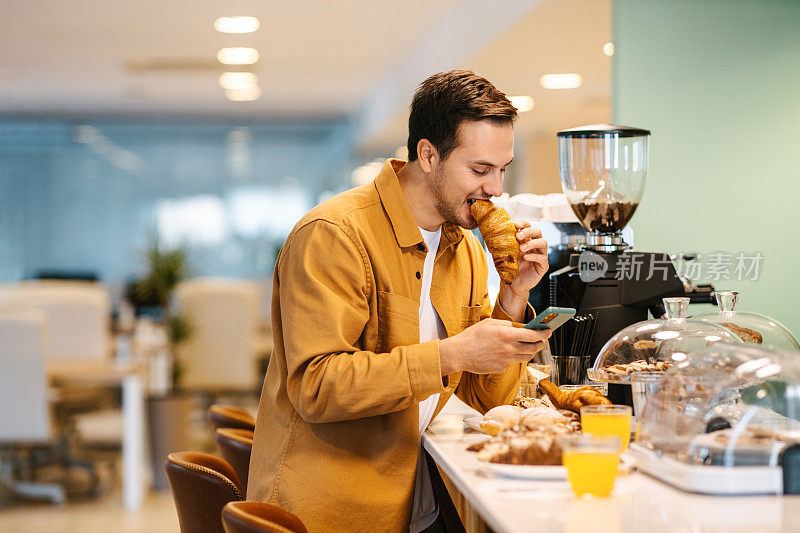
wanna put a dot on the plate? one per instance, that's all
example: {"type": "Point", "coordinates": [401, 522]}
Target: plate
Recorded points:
{"type": "Point", "coordinates": [528, 471]}
{"type": "Point", "coordinates": [473, 422]}
{"type": "Point", "coordinates": [600, 375]}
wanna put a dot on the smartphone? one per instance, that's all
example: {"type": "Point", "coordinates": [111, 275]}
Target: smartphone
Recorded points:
{"type": "Point", "coordinates": [551, 318]}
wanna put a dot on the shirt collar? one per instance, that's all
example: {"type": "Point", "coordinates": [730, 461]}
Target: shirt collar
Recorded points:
{"type": "Point", "coordinates": [394, 202]}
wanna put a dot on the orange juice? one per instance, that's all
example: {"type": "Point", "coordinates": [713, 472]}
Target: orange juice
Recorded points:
{"type": "Point", "coordinates": [608, 420]}
{"type": "Point", "coordinates": [591, 471]}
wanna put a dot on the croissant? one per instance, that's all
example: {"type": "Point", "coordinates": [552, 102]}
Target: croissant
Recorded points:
{"type": "Point", "coordinates": [499, 233]}
{"type": "Point", "coordinates": [572, 400]}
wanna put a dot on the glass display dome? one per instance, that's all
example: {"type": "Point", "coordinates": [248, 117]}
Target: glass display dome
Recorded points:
{"type": "Point", "coordinates": [730, 405]}
{"type": "Point", "coordinates": [750, 327]}
{"type": "Point", "coordinates": [655, 345]}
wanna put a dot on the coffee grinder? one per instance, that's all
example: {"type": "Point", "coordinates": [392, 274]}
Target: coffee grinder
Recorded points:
{"type": "Point", "coordinates": [603, 169]}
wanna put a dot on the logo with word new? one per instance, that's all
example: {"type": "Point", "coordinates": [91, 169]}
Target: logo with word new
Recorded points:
{"type": "Point", "coordinates": [591, 266]}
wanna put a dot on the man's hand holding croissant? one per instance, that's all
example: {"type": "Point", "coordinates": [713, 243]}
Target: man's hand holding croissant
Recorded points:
{"type": "Point", "coordinates": [532, 258]}
{"type": "Point", "coordinates": [520, 270]}
{"type": "Point", "coordinates": [532, 266]}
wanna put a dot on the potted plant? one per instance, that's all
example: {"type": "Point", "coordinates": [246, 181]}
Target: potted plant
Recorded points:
{"type": "Point", "coordinates": [151, 296]}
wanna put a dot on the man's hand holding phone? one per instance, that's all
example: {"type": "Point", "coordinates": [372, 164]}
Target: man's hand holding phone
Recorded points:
{"type": "Point", "coordinates": [490, 346]}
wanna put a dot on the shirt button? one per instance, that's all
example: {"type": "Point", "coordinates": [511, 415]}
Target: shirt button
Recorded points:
{"type": "Point", "coordinates": [419, 275]}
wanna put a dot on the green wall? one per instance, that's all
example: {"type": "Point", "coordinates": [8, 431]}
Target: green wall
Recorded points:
{"type": "Point", "coordinates": [718, 84]}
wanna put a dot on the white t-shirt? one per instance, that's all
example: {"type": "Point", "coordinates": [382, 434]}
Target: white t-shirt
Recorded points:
{"type": "Point", "coordinates": [424, 509]}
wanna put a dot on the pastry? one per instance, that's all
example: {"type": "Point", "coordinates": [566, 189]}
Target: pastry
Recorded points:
{"type": "Point", "coordinates": [620, 352]}
{"type": "Point", "coordinates": [574, 419]}
{"type": "Point", "coordinates": [637, 366]}
{"type": "Point", "coordinates": [529, 387]}
{"type": "Point", "coordinates": [500, 418]}
{"type": "Point", "coordinates": [538, 446]}
{"type": "Point", "coordinates": [526, 402]}
{"type": "Point", "coordinates": [572, 400]}
{"type": "Point", "coordinates": [499, 234]}
{"type": "Point", "coordinates": [746, 334]}
{"type": "Point", "coordinates": [644, 349]}
{"type": "Point", "coordinates": [541, 417]}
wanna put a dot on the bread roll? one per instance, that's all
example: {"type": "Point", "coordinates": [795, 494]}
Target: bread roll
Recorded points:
{"type": "Point", "coordinates": [535, 417]}
{"type": "Point", "coordinates": [499, 418]}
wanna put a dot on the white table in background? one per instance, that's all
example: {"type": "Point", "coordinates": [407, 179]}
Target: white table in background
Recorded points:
{"type": "Point", "coordinates": [638, 503]}
{"type": "Point", "coordinates": [129, 376]}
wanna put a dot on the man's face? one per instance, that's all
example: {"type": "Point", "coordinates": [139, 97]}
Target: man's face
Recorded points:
{"type": "Point", "coordinates": [473, 171]}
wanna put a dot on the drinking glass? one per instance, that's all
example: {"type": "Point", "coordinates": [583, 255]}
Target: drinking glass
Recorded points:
{"type": "Point", "coordinates": [643, 385]}
{"type": "Point", "coordinates": [608, 420]}
{"type": "Point", "coordinates": [591, 462]}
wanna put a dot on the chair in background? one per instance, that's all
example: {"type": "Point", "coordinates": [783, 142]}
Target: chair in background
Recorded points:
{"type": "Point", "coordinates": [256, 517]}
{"type": "Point", "coordinates": [229, 416]}
{"type": "Point", "coordinates": [235, 446]}
{"type": "Point", "coordinates": [79, 320]}
{"type": "Point", "coordinates": [29, 444]}
{"type": "Point", "coordinates": [201, 486]}
{"type": "Point", "coordinates": [78, 316]}
{"type": "Point", "coordinates": [78, 327]}
{"type": "Point", "coordinates": [25, 414]}
{"type": "Point", "coordinates": [223, 316]}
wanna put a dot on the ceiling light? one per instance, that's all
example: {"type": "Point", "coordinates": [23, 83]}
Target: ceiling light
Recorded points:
{"type": "Point", "coordinates": [243, 95]}
{"type": "Point", "coordinates": [237, 80]}
{"type": "Point", "coordinates": [236, 24]}
{"type": "Point", "coordinates": [522, 103]}
{"type": "Point", "coordinates": [608, 49]}
{"type": "Point", "coordinates": [238, 56]}
{"type": "Point", "coordinates": [561, 81]}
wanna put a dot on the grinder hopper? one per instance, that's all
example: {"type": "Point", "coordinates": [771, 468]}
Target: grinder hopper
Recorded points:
{"type": "Point", "coordinates": [603, 169]}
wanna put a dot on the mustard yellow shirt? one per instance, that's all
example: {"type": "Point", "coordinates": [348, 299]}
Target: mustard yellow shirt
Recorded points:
{"type": "Point", "coordinates": [337, 435]}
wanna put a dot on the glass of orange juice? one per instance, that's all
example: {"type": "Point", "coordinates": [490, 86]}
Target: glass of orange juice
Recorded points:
{"type": "Point", "coordinates": [608, 420]}
{"type": "Point", "coordinates": [591, 462]}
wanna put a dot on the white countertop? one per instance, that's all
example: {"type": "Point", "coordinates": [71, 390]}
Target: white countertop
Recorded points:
{"type": "Point", "coordinates": [638, 503]}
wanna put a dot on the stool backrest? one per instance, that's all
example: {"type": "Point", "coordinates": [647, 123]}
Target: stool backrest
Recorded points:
{"type": "Point", "coordinates": [235, 446]}
{"type": "Point", "coordinates": [201, 486]}
{"type": "Point", "coordinates": [257, 517]}
{"type": "Point", "coordinates": [229, 416]}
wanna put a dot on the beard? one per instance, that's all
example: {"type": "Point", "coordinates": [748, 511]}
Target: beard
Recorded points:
{"type": "Point", "coordinates": [449, 206]}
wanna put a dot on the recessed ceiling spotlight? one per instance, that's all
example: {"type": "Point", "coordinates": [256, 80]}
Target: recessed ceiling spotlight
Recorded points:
{"type": "Point", "coordinates": [236, 24]}
{"type": "Point", "coordinates": [238, 56]}
{"type": "Point", "coordinates": [237, 80]}
{"type": "Point", "coordinates": [243, 95]}
{"type": "Point", "coordinates": [561, 81]}
{"type": "Point", "coordinates": [522, 103]}
{"type": "Point", "coordinates": [608, 49]}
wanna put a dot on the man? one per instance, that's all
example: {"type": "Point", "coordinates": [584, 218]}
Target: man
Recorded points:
{"type": "Point", "coordinates": [380, 313]}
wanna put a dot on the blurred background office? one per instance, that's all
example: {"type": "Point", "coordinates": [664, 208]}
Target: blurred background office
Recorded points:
{"type": "Point", "coordinates": [154, 156]}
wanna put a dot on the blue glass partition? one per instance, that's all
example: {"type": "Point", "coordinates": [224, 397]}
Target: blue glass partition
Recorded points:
{"type": "Point", "coordinates": [85, 196]}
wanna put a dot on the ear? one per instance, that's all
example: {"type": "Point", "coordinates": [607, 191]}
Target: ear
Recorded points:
{"type": "Point", "coordinates": [427, 155]}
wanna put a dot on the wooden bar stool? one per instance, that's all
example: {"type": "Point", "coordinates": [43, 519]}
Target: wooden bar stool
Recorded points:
{"type": "Point", "coordinates": [201, 486]}
{"type": "Point", "coordinates": [235, 446]}
{"type": "Point", "coordinates": [256, 517]}
{"type": "Point", "coordinates": [228, 416]}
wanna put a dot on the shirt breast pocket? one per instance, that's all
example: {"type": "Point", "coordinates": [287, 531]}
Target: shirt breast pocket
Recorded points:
{"type": "Point", "coordinates": [471, 314]}
{"type": "Point", "coordinates": [398, 321]}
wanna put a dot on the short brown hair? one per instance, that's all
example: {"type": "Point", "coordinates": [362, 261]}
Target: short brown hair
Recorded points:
{"type": "Point", "coordinates": [445, 100]}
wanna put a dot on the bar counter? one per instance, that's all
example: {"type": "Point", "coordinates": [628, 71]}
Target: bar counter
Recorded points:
{"type": "Point", "coordinates": [486, 502]}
